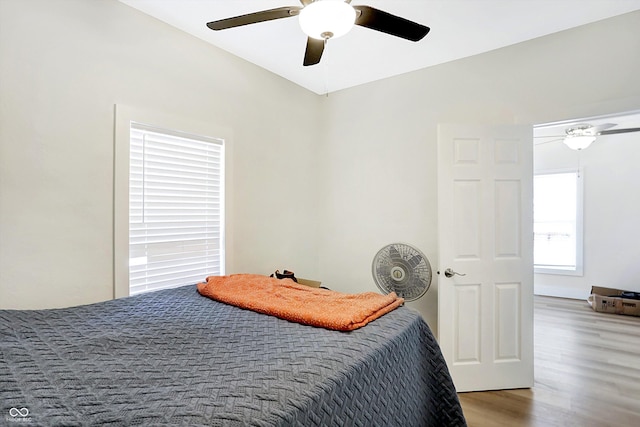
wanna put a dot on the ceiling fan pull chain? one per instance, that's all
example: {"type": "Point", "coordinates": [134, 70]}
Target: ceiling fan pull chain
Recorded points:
{"type": "Point", "coordinates": [579, 164]}
{"type": "Point", "coordinates": [326, 70]}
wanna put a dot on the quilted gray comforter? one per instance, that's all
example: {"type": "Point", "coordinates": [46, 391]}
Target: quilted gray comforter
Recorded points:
{"type": "Point", "coordinates": [174, 357]}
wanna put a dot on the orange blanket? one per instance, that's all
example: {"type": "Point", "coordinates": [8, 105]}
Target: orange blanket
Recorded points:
{"type": "Point", "coordinates": [299, 303]}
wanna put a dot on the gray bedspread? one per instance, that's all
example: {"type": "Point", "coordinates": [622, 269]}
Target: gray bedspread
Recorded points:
{"type": "Point", "coordinates": [175, 358]}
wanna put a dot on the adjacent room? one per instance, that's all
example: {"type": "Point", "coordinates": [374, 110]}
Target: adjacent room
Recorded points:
{"type": "Point", "coordinates": [316, 169]}
{"type": "Point", "coordinates": [602, 251]}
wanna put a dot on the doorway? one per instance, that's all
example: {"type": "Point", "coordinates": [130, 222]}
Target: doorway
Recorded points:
{"type": "Point", "coordinates": [611, 206]}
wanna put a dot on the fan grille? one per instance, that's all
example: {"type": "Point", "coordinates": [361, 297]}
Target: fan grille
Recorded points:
{"type": "Point", "coordinates": [402, 269]}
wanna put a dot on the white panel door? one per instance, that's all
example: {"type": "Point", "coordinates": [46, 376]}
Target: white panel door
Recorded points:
{"type": "Point", "coordinates": [485, 214]}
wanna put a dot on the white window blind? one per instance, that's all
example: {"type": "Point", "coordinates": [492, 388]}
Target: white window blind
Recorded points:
{"type": "Point", "coordinates": [176, 209]}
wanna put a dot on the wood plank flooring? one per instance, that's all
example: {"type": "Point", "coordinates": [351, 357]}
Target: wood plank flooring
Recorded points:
{"type": "Point", "coordinates": [587, 373]}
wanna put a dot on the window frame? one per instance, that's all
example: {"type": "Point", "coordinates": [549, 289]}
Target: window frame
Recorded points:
{"type": "Point", "coordinates": [124, 116]}
{"type": "Point", "coordinates": [579, 250]}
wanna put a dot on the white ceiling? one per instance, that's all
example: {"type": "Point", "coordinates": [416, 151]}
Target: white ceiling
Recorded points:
{"type": "Point", "coordinates": [459, 28]}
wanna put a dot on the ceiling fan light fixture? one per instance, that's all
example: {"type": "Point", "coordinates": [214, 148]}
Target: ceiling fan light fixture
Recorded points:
{"type": "Point", "coordinates": [325, 19]}
{"type": "Point", "coordinates": [579, 142]}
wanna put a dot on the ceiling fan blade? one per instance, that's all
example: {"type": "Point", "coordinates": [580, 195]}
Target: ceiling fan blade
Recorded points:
{"type": "Point", "coordinates": [379, 20]}
{"type": "Point", "coordinates": [314, 50]}
{"type": "Point", "coordinates": [600, 128]}
{"type": "Point", "coordinates": [254, 18]}
{"type": "Point", "coordinates": [614, 131]}
{"type": "Point", "coordinates": [550, 141]}
{"type": "Point", "coordinates": [549, 136]}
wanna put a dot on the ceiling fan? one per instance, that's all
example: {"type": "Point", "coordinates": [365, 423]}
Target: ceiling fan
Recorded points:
{"type": "Point", "coordinates": [580, 136]}
{"type": "Point", "coordinates": [322, 20]}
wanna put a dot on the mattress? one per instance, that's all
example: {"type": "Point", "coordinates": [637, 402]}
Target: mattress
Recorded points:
{"type": "Point", "coordinates": [173, 357]}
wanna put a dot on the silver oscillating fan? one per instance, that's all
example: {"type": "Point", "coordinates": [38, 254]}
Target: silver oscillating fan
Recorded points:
{"type": "Point", "coordinates": [402, 269]}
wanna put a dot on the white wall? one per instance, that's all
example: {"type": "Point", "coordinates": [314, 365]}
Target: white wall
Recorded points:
{"type": "Point", "coordinates": [318, 197]}
{"type": "Point", "coordinates": [611, 214]}
{"type": "Point", "coordinates": [63, 66]}
{"type": "Point", "coordinates": [379, 157]}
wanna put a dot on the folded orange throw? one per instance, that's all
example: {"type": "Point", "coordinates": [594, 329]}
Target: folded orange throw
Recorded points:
{"type": "Point", "coordinates": [299, 303]}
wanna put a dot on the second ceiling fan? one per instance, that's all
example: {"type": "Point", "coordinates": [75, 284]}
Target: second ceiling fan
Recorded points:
{"type": "Point", "coordinates": [322, 20]}
{"type": "Point", "coordinates": [580, 136]}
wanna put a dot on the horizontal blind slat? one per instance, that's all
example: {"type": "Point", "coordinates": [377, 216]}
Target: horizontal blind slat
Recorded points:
{"type": "Point", "coordinates": [176, 209]}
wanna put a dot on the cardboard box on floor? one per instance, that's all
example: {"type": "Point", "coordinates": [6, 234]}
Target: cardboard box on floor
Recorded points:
{"type": "Point", "coordinates": [605, 300]}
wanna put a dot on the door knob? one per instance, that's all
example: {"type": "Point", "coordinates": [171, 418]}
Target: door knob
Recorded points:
{"type": "Point", "coordinates": [450, 273]}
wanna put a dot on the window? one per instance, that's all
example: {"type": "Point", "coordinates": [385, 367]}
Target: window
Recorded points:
{"type": "Point", "coordinates": [176, 212]}
{"type": "Point", "coordinates": [557, 222]}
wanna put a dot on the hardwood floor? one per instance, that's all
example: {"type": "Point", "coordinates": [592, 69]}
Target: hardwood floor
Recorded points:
{"type": "Point", "coordinates": [587, 373]}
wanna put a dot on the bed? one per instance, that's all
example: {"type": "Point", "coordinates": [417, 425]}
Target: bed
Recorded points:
{"type": "Point", "coordinates": [174, 357]}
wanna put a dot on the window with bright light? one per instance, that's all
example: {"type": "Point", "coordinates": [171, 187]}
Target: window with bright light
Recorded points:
{"type": "Point", "coordinates": [176, 212]}
{"type": "Point", "coordinates": [557, 217]}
